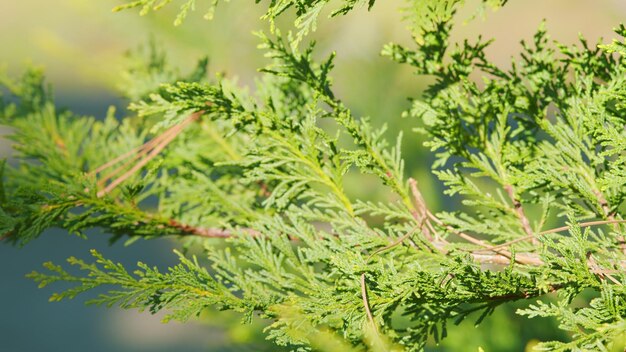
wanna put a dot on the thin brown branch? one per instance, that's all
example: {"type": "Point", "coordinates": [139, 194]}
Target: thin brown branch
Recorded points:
{"type": "Point", "coordinates": [584, 224]}
{"type": "Point", "coordinates": [6, 235]}
{"type": "Point", "coordinates": [394, 244]}
{"type": "Point", "coordinates": [523, 295]}
{"type": "Point", "coordinates": [504, 258]}
{"type": "Point", "coordinates": [136, 152]}
{"type": "Point", "coordinates": [519, 210]}
{"type": "Point", "coordinates": [208, 232]}
{"type": "Point", "coordinates": [507, 244]}
{"type": "Point", "coordinates": [610, 216]}
{"type": "Point", "coordinates": [265, 191]}
{"type": "Point", "coordinates": [139, 153]}
{"type": "Point", "coordinates": [366, 304]}
{"type": "Point", "coordinates": [153, 153]}
{"type": "Point", "coordinates": [153, 149]}
{"type": "Point", "coordinates": [461, 234]}
{"type": "Point", "coordinates": [558, 229]}
{"type": "Point", "coordinates": [595, 268]}
{"type": "Point", "coordinates": [420, 212]}
{"type": "Point", "coordinates": [501, 256]}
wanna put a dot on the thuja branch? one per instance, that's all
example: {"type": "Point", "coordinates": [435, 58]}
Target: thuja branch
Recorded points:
{"type": "Point", "coordinates": [387, 174]}
{"type": "Point", "coordinates": [266, 174]}
{"type": "Point", "coordinates": [300, 67]}
{"type": "Point", "coordinates": [502, 255]}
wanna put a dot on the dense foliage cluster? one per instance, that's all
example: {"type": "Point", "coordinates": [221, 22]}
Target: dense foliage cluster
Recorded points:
{"type": "Point", "coordinates": [534, 152]}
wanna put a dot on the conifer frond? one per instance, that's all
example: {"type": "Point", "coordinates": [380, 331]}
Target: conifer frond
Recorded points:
{"type": "Point", "coordinates": [534, 155]}
{"type": "Point", "coordinates": [307, 12]}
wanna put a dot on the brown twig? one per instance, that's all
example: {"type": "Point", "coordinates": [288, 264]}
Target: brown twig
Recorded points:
{"type": "Point", "coordinates": [558, 229]}
{"type": "Point", "coordinates": [500, 255]}
{"type": "Point", "coordinates": [461, 234]}
{"type": "Point", "coordinates": [158, 142]}
{"type": "Point", "coordinates": [610, 216]}
{"type": "Point", "coordinates": [483, 258]}
{"type": "Point", "coordinates": [521, 258]}
{"type": "Point", "coordinates": [141, 163]}
{"type": "Point", "coordinates": [265, 192]}
{"type": "Point", "coordinates": [420, 212]}
{"type": "Point", "coordinates": [395, 243]}
{"type": "Point", "coordinates": [504, 258]}
{"type": "Point", "coordinates": [138, 151]}
{"type": "Point", "coordinates": [208, 232]}
{"type": "Point", "coordinates": [494, 258]}
{"type": "Point", "coordinates": [144, 154]}
{"type": "Point", "coordinates": [594, 268]}
{"type": "Point", "coordinates": [604, 204]}
{"type": "Point", "coordinates": [6, 235]}
{"type": "Point", "coordinates": [370, 317]}
{"type": "Point", "coordinates": [519, 210]}
{"type": "Point", "coordinates": [584, 224]}
{"type": "Point", "coordinates": [135, 152]}
{"type": "Point", "coordinates": [524, 295]}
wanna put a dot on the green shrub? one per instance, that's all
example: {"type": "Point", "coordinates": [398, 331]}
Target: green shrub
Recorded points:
{"type": "Point", "coordinates": [534, 153]}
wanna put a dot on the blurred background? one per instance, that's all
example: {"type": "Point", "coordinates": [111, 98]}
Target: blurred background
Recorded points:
{"type": "Point", "coordinates": [81, 44]}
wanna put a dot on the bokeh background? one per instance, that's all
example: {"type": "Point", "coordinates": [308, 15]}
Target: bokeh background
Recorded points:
{"type": "Point", "coordinates": [81, 45]}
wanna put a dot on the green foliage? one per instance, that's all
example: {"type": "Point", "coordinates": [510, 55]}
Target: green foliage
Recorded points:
{"type": "Point", "coordinates": [424, 16]}
{"type": "Point", "coordinates": [617, 46]}
{"type": "Point", "coordinates": [306, 12]}
{"type": "Point", "coordinates": [256, 179]}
